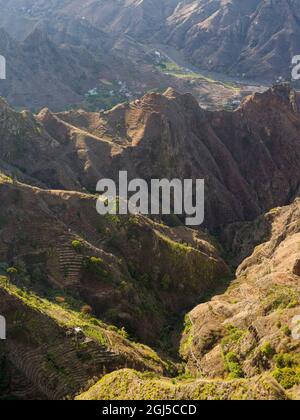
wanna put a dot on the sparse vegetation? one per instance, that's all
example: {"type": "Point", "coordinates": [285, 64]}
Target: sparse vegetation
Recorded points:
{"type": "Point", "coordinates": [77, 245]}
{"type": "Point", "coordinates": [267, 350]}
{"type": "Point", "coordinates": [86, 310]}
{"type": "Point", "coordinates": [287, 377]}
{"type": "Point", "coordinates": [233, 336]}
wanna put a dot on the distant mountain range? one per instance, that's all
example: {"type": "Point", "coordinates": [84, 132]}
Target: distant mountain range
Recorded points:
{"type": "Point", "coordinates": [248, 39]}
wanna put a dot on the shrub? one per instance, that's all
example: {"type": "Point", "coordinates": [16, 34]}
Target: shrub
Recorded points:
{"type": "Point", "coordinates": [287, 331]}
{"type": "Point", "coordinates": [233, 335]}
{"type": "Point", "coordinates": [77, 245]}
{"type": "Point", "coordinates": [12, 271]}
{"type": "Point", "coordinates": [97, 267]}
{"type": "Point", "coordinates": [267, 350]}
{"type": "Point", "coordinates": [123, 333]}
{"type": "Point", "coordinates": [96, 261]}
{"type": "Point", "coordinates": [284, 360]}
{"type": "Point", "coordinates": [293, 304]}
{"type": "Point", "coordinates": [287, 377]}
{"type": "Point", "coordinates": [93, 264]}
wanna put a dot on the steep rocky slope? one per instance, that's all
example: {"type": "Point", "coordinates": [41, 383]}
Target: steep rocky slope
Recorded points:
{"type": "Point", "coordinates": [97, 54]}
{"type": "Point", "coordinates": [141, 18]}
{"type": "Point", "coordinates": [59, 350]}
{"type": "Point", "coordinates": [252, 328]}
{"type": "Point", "coordinates": [249, 158]}
{"type": "Point", "coordinates": [130, 270]}
{"type": "Point", "coordinates": [40, 72]}
{"type": "Point", "coordinates": [255, 40]}
{"type": "Point", "coordinates": [67, 62]}
{"type": "Point", "coordinates": [243, 344]}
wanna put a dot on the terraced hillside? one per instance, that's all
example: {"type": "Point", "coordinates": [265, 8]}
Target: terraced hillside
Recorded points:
{"type": "Point", "coordinates": [59, 350]}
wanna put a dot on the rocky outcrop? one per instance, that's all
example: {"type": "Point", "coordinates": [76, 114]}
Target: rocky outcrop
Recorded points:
{"type": "Point", "coordinates": [246, 39]}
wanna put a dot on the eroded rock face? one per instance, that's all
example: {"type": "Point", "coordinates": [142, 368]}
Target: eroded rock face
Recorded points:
{"type": "Point", "coordinates": [248, 329]}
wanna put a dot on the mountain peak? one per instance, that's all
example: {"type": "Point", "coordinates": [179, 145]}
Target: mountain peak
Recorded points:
{"type": "Point", "coordinates": [4, 107]}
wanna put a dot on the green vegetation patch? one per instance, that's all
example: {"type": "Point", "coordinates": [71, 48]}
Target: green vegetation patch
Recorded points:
{"type": "Point", "coordinates": [77, 245]}
{"type": "Point", "coordinates": [281, 297]}
{"type": "Point", "coordinates": [173, 69]}
{"type": "Point", "coordinates": [267, 350]}
{"type": "Point", "coordinates": [287, 371]}
{"type": "Point", "coordinates": [188, 337]}
{"type": "Point", "coordinates": [96, 266]}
